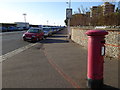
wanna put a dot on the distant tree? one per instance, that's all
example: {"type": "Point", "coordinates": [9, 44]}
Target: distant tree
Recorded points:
{"type": "Point", "coordinates": [119, 5]}
{"type": "Point", "coordinates": [83, 10]}
{"type": "Point", "coordinates": [79, 10]}
{"type": "Point", "coordinates": [117, 10]}
{"type": "Point", "coordinates": [66, 22]}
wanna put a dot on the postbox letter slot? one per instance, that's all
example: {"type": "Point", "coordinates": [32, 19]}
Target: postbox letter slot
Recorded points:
{"type": "Point", "coordinates": [103, 41]}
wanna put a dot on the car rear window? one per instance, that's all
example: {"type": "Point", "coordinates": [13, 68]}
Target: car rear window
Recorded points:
{"type": "Point", "coordinates": [46, 29]}
{"type": "Point", "coordinates": [33, 30]}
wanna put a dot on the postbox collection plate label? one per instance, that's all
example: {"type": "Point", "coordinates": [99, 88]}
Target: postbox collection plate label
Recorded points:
{"type": "Point", "coordinates": [103, 50]}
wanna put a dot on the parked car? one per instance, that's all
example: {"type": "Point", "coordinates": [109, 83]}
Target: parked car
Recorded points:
{"type": "Point", "coordinates": [55, 29]}
{"type": "Point", "coordinates": [20, 28]}
{"type": "Point", "coordinates": [3, 29]}
{"type": "Point", "coordinates": [47, 31]}
{"type": "Point", "coordinates": [12, 28]}
{"type": "Point", "coordinates": [33, 34]}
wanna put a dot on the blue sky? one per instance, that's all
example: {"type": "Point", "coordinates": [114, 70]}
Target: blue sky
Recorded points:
{"type": "Point", "coordinates": [39, 12]}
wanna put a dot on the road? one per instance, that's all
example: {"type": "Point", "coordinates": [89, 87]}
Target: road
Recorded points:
{"type": "Point", "coordinates": [12, 41]}
{"type": "Point", "coordinates": [31, 69]}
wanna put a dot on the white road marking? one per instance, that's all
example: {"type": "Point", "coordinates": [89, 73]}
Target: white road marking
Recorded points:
{"type": "Point", "coordinates": [17, 51]}
{"type": "Point", "coordinates": [8, 33]}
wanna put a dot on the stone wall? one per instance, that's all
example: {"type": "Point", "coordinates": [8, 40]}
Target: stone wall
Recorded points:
{"type": "Point", "coordinates": [112, 40]}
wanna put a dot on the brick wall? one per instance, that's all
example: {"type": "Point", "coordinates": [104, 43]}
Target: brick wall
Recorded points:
{"type": "Point", "coordinates": [112, 40]}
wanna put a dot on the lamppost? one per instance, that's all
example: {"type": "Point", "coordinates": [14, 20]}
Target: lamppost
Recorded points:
{"type": "Point", "coordinates": [69, 3]}
{"type": "Point", "coordinates": [68, 16]}
{"type": "Point", "coordinates": [47, 22]}
{"type": "Point", "coordinates": [24, 14]}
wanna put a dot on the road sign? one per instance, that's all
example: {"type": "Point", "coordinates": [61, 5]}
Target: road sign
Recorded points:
{"type": "Point", "coordinates": [68, 13]}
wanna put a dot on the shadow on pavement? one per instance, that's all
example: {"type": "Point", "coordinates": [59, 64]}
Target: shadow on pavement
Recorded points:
{"type": "Point", "coordinates": [106, 87]}
{"type": "Point", "coordinates": [59, 36]}
{"type": "Point", "coordinates": [54, 41]}
{"type": "Point", "coordinates": [61, 32]}
{"type": "Point", "coordinates": [110, 87]}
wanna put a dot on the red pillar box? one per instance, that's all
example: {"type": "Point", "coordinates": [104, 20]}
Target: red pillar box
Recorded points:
{"type": "Point", "coordinates": [96, 52]}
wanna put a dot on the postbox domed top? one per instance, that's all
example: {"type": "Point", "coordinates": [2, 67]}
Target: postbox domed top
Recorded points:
{"type": "Point", "coordinates": [96, 32]}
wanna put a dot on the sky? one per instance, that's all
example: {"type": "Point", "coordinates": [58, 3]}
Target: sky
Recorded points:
{"type": "Point", "coordinates": [38, 12]}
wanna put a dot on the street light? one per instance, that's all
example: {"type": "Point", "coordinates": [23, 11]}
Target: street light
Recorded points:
{"type": "Point", "coordinates": [47, 22]}
{"type": "Point", "coordinates": [68, 16]}
{"type": "Point", "coordinates": [69, 4]}
{"type": "Point", "coordinates": [24, 14]}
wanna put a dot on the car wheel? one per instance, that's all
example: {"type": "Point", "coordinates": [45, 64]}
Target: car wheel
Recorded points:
{"type": "Point", "coordinates": [42, 38]}
{"type": "Point", "coordinates": [24, 39]}
{"type": "Point", "coordinates": [33, 40]}
{"type": "Point", "coordinates": [45, 37]}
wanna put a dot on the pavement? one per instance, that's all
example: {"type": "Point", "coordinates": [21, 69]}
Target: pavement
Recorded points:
{"type": "Point", "coordinates": [54, 63]}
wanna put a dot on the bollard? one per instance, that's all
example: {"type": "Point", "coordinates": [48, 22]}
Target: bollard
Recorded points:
{"type": "Point", "coordinates": [96, 52]}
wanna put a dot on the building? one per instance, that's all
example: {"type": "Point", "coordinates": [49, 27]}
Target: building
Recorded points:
{"type": "Point", "coordinates": [104, 9]}
{"type": "Point", "coordinates": [22, 24]}
{"type": "Point", "coordinates": [95, 11]}
{"type": "Point", "coordinates": [108, 8]}
{"type": "Point", "coordinates": [8, 25]}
